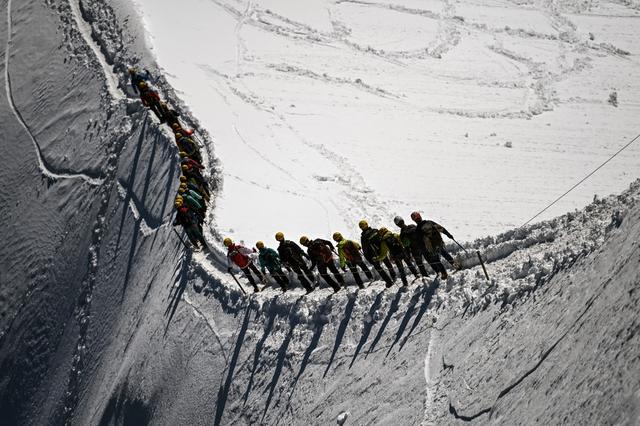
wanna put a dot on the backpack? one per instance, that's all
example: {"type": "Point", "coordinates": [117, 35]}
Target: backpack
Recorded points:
{"type": "Point", "coordinates": [370, 242]}
{"type": "Point", "coordinates": [351, 251]}
{"type": "Point", "coordinates": [394, 244]}
{"type": "Point", "coordinates": [319, 250]}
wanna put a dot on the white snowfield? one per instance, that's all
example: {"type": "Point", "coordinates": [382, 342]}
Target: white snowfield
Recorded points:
{"type": "Point", "coordinates": [477, 113]}
{"type": "Point", "coordinates": [105, 318]}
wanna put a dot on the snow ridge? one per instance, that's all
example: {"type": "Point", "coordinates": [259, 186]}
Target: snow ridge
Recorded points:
{"type": "Point", "coordinates": [258, 358]}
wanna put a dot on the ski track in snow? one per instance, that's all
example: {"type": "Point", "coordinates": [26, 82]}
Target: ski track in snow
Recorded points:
{"type": "Point", "coordinates": [45, 169]}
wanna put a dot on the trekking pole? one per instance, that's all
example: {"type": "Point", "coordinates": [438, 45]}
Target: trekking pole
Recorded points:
{"type": "Point", "coordinates": [479, 258]}
{"type": "Point", "coordinates": [180, 238]}
{"type": "Point", "coordinates": [238, 282]}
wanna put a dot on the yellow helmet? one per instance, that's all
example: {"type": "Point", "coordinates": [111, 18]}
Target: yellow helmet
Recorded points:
{"type": "Point", "coordinates": [178, 135]}
{"type": "Point", "coordinates": [183, 178]}
{"type": "Point", "coordinates": [363, 224]}
{"type": "Point", "coordinates": [183, 154]}
{"type": "Point", "coordinates": [279, 236]}
{"type": "Point", "coordinates": [259, 245]}
{"type": "Point", "coordinates": [227, 242]}
{"type": "Point", "coordinates": [178, 203]}
{"type": "Point", "coordinates": [184, 167]}
{"type": "Point", "coordinates": [142, 85]}
{"type": "Point", "coordinates": [382, 230]}
{"type": "Point", "coordinates": [304, 240]}
{"type": "Point", "coordinates": [337, 237]}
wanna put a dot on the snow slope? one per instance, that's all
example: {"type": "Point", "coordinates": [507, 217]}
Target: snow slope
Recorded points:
{"type": "Point", "coordinates": [106, 319]}
{"type": "Point", "coordinates": [326, 112]}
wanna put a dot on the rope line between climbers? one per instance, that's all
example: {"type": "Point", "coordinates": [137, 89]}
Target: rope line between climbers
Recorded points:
{"type": "Point", "coordinates": [578, 184]}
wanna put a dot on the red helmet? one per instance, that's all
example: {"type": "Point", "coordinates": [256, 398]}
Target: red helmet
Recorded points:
{"type": "Point", "coordinates": [416, 217]}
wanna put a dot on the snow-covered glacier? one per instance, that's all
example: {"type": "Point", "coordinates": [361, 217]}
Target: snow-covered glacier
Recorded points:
{"type": "Point", "coordinates": [480, 113]}
{"type": "Point", "coordinates": [366, 109]}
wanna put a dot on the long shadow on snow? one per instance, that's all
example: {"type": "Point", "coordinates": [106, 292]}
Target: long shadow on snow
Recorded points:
{"type": "Point", "coordinates": [180, 284]}
{"type": "Point", "coordinates": [341, 330]}
{"type": "Point", "coordinates": [169, 189]}
{"type": "Point", "coordinates": [393, 307]}
{"type": "Point", "coordinates": [428, 295]}
{"type": "Point", "coordinates": [256, 355]}
{"type": "Point", "coordinates": [366, 330]}
{"type": "Point", "coordinates": [281, 356]}
{"type": "Point", "coordinates": [313, 344]}
{"type": "Point", "coordinates": [147, 177]}
{"type": "Point", "coordinates": [407, 317]}
{"type": "Point", "coordinates": [125, 410]}
{"type": "Point", "coordinates": [223, 392]}
{"type": "Point", "coordinates": [151, 221]}
{"type": "Point", "coordinates": [140, 203]}
{"type": "Point", "coordinates": [132, 253]}
{"type": "Point", "coordinates": [131, 179]}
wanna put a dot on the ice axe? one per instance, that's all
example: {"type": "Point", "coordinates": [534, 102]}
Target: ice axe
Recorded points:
{"type": "Point", "coordinates": [479, 258]}
{"type": "Point", "coordinates": [237, 282]}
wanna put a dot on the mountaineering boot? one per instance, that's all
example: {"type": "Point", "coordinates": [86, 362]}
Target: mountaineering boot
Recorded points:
{"type": "Point", "coordinates": [361, 286]}
{"type": "Point", "coordinates": [444, 275]}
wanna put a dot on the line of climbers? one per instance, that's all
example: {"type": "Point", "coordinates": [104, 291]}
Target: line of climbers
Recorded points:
{"type": "Point", "coordinates": [414, 243]}
{"type": "Point", "coordinates": [378, 246]}
{"type": "Point", "coordinates": [193, 191]}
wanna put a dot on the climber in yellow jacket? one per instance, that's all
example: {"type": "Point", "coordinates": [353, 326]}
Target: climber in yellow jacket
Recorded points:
{"type": "Point", "coordinates": [349, 255]}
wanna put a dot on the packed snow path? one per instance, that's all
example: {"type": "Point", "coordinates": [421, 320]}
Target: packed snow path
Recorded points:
{"type": "Point", "coordinates": [331, 112]}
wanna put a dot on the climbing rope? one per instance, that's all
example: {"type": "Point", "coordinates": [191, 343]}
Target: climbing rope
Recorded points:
{"type": "Point", "coordinates": [578, 184]}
